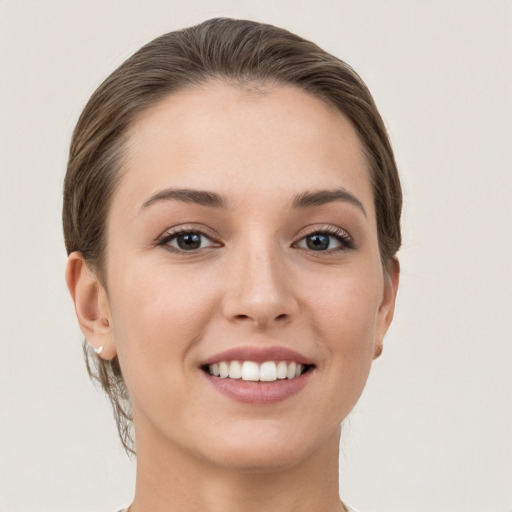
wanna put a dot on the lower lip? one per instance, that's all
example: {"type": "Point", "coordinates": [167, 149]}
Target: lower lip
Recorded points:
{"type": "Point", "coordinates": [262, 393]}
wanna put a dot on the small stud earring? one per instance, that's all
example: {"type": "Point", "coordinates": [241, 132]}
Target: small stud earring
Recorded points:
{"type": "Point", "coordinates": [98, 350]}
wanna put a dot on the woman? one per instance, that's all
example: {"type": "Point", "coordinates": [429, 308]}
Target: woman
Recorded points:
{"type": "Point", "coordinates": [232, 217]}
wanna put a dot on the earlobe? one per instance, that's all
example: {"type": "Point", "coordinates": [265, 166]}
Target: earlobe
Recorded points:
{"type": "Point", "coordinates": [377, 351]}
{"type": "Point", "coordinates": [91, 305]}
{"type": "Point", "coordinates": [387, 306]}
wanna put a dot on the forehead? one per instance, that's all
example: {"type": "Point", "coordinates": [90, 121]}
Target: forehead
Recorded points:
{"type": "Point", "coordinates": [270, 142]}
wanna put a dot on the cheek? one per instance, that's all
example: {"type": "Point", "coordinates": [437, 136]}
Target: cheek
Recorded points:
{"type": "Point", "coordinates": [350, 303]}
{"type": "Point", "coordinates": [157, 319]}
{"type": "Point", "coordinates": [157, 316]}
{"type": "Point", "coordinates": [344, 323]}
{"type": "Point", "coordinates": [344, 317]}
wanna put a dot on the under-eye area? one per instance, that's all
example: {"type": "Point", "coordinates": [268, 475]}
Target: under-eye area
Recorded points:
{"type": "Point", "coordinates": [268, 371]}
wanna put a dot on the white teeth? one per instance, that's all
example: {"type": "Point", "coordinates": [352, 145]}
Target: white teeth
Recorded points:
{"type": "Point", "coordinates": [235, 370]}
{"type": "Point", "coordinates": [223, 369]}
{"type": "Point", "coordinates": [250, 371]}
{"type": "Point", "coordinates": [268, 371]}
{"type": "Point", "coordinates": [291, 370]}
{"type": "Point", "coordinates": [282, 370]}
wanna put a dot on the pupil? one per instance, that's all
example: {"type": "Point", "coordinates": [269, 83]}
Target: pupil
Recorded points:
{"type": "Point", "coordinates": [318, 242]}
{"type": "Point", "coordinates": [189, 241]}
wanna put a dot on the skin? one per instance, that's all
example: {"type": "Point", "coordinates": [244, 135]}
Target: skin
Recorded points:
{"type": "Point", "coordinates": [254, 282]}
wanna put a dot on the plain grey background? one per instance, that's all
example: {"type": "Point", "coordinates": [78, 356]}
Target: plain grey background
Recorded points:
{"type": "Point", "coordinates": [433, 429]}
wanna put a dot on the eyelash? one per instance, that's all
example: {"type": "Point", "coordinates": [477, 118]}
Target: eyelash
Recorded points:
{"type": "Point", "coordinates": [345, 240]}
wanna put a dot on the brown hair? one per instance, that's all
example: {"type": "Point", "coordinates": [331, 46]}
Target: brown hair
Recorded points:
{"type": "Point", "coordinates": [236, 51]}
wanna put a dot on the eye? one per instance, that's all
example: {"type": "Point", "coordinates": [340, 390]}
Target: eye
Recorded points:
{"type": "Point", "coordinates": [326, 241]}
{"type": "Point", "coordinates": [186, 241]}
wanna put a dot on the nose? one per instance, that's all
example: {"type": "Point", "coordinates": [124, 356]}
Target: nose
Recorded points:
{"type": "Point", "coordinates": [259, 289]}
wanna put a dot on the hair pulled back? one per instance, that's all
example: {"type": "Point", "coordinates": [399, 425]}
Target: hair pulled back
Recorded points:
{"type": "Point", "coordinates": [236, 51]}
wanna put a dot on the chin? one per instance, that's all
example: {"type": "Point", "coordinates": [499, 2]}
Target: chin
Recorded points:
{"type": "Point", "coordinates": [257, 461]}
{"type": "Point", "coordinates": [265, 449]}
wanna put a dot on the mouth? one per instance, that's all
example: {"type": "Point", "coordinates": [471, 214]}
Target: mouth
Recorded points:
{"type": "Point", "coordinates": [258, 375]}
{"type": "Point", "coordinates": [252, 371]}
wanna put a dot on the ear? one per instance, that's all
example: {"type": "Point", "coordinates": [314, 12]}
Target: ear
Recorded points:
{"type": "Point", "coordinates": [387, 306]}
{"type": "Point", "coordinates": [91, 305]}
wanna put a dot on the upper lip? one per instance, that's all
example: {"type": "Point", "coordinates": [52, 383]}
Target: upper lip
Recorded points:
{"type": "Point", "coordinates": [259, 355]}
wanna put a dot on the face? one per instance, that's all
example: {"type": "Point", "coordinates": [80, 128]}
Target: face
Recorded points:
{"type": "Point", "coordinates": [242, 240]}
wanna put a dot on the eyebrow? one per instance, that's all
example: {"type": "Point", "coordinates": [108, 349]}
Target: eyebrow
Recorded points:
{"type": "Point", "coordinates": [186, 195]}
{"type": "Point", "coordinates": [321, 197]}
{"type": "Point", "coordinates": [214, 200]}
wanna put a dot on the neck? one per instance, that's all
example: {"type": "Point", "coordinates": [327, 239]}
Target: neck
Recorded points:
{"type": "Point", "coordinates": [171, 480]}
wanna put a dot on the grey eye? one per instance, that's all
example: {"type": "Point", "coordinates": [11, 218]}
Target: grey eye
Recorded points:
{"type": "Point", "coordinates": [189, 241]}
{"type": "Point", "coordinates": [320, 242]}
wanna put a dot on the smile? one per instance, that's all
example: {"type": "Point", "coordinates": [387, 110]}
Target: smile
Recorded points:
{"type": "Point", "coordinates": [258, 375]}
{"type": "Point", "coordinates": [267, 371]}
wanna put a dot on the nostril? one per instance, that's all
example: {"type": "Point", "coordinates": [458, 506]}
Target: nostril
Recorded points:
{"type": "Point", "coordinates": [283, 316]}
